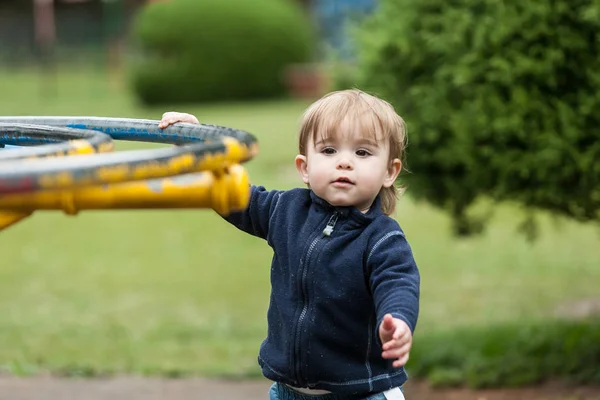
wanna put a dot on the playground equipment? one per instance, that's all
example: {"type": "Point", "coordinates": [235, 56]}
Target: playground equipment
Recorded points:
{"type": "Point", "coordinates": [67, 163]}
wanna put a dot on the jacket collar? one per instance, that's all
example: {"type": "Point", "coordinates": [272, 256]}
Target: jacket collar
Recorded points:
{"type": "Point", "coordinates": [350, 211]}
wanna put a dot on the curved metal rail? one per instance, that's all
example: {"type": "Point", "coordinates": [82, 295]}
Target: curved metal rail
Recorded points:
{"type": "Point", "coordinates": [66, 163]}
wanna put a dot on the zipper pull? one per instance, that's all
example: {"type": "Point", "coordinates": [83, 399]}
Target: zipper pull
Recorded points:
{"type": "Point", "coordinates": [331, 224]}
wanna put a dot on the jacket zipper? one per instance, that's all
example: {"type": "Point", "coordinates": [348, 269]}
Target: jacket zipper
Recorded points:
{"type": "Point", "coordinates": [331, 224]}
{"type": "Point", "coordinates": [298, 353]}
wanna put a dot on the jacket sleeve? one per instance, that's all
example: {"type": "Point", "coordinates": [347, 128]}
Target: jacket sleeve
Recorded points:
{"type": "Point", "coordinates": [394, 279]}
{"type": "Point", "coordinates": [255, 218]}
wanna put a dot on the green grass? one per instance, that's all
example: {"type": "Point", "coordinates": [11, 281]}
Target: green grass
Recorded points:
{"type": "Point", "coordinates": [511, 355]}
{"type": "Point", "coordinates": [181, 292]}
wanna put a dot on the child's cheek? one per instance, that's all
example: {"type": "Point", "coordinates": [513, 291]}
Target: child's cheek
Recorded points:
{"type": "Point", "coordinates": [320, 177]}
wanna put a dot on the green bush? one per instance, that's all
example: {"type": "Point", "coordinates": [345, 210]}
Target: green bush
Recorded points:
{"type": "Point", "coordinates": [501, 99]}
{"type": "Point", "coordinates": [211, 50]}
{"type": "Point", "coordinates": [510, 355]}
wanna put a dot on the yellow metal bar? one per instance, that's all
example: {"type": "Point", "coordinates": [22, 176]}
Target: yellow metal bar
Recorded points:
{"type": "Point", "coordinates": [224, 193]}
{"type": "Point", "coordinates": [8, 218]}
{"type": "Point", "coordinates": [234, 152]}
{"type": "Point", "coordinates": [213, 177]}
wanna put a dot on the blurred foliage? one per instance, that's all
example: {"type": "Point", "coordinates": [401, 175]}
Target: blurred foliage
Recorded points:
{"type": "Point", "coordinates": [211, 50]}
{"type": "Point", "coordinates": [510, 355]}
{"type": "Point", "coordinates": [501, 100]}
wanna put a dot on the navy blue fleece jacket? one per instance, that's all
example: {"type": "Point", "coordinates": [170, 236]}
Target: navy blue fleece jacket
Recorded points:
{"type": "Point", "coordinates": [335, 273]}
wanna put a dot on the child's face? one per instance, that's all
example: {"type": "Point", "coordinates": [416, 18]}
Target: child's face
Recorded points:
{"type": "Point", "coordinates": [348, 169]}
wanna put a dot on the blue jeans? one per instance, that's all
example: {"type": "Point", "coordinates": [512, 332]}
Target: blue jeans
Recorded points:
{"type": "Point", "coordinates": [280, 391]}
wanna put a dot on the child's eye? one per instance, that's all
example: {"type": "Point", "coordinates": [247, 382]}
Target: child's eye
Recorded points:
{"type": "Point", "coordinates": [362, 153]}
{"type": "Point", "coordinates": [328, 150]}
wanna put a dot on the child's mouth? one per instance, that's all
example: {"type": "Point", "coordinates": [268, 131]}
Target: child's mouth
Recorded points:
{"type": "Point", "coordinates": [343, 182]}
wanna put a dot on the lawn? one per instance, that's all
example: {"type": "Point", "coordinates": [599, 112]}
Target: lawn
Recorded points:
{"type": "Point", "coordinates": [177, 292]}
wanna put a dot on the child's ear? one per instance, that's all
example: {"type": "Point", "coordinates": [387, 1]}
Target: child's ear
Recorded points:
{"type": "Point", "coordinates": [392, 172]}
{"type": "Point", "coordinates": [302, 167]}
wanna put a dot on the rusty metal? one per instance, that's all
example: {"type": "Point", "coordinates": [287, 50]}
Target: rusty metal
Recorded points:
{"type": "Point", "coordinates": [69, 166]}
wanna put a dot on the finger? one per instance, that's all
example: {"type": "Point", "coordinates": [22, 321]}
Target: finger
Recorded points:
{"type": "Point", "coordinates": [396, 352]}
{"type": "Point", "coordinates": [386, 328]}
{"type": "Point", "coordinates": [396, 342]}
{"type": "Point", "coordinates": [401, 362]}
{"type": "Point", "coordinates": [390, 344]}
{"type": "Point", "coordinates": [172, 121]}
{"type": "Point", "coordinates": [388, 322]}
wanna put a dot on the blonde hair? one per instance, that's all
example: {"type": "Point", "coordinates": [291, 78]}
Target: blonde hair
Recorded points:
{"type": "Point", "coordinates": [371, 115]}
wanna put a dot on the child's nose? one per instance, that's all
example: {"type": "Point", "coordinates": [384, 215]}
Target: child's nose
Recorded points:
{"type": "Point", "coordinates": [344, 163]}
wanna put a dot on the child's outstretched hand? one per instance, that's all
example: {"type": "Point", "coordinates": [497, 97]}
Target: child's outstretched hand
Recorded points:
{"type": "Point", "coordinates": [396, 339]}
{"type": "Point", "coordinates": [173, 117]}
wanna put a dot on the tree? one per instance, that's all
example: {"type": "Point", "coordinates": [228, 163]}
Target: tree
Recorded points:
{"type": "Point", "coordinates": [501, 98]}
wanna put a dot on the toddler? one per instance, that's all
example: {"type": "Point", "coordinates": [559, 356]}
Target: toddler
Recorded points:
{"type": "Point", "coordinates": [344, 284]}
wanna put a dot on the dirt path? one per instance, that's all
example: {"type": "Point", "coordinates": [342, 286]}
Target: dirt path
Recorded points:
{"type": "Point", "coordinates": [134, 388]}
